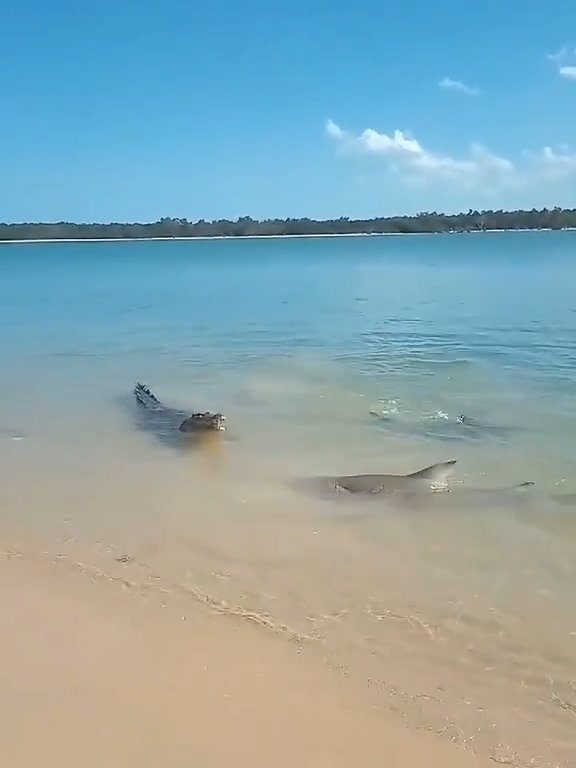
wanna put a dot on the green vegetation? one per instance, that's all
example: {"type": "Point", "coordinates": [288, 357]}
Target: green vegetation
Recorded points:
{"type": "Point", "coordinates": [473, 221]}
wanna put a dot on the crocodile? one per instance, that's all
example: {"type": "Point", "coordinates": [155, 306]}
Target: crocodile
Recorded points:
{"type": "Point", "coordinates": [169, 422]}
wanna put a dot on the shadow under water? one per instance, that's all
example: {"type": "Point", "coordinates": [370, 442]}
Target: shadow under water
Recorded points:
{"type": "Point", "coordinates": [441, 427]}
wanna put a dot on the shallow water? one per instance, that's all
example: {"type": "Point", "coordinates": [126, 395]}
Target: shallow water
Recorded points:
{"type": "Point", "coordinates": [336, 355]}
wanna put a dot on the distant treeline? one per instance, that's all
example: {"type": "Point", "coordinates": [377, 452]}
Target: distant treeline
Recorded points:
{"type": "Point", "coordinates": [473, 221]}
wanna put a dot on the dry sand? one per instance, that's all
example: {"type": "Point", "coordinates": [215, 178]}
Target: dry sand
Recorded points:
{"type": "Point", "coordinates": [95, 675]}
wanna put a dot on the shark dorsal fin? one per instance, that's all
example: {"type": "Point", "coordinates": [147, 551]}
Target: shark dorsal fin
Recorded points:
{"type": "Point", "coordinates": [437, 473]}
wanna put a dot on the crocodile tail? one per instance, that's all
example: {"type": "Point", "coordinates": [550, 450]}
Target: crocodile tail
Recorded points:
{"type": "Point", "coordinates": [144, 396]}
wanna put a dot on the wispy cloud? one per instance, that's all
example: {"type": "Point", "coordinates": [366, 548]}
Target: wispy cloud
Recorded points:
{"type": "Point", "coordinates": [565, 61]}
{"type": "Point", "coordinates": [410, 158]}
{"type": "Point", "coordinates": [333, 130]}
{"type": "Point", "coordinates": [449, 84]}
{"type": "Point", "coordinates": [553, 163]}
{"type": "Point", "coordinates": [561, 54]}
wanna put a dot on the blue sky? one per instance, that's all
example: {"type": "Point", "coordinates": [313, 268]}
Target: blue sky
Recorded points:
{"type": "Point", "coordinates": [134, 110]}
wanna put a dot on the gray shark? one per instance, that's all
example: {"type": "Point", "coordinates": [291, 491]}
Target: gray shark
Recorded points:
{"type": "Point", "coordinates": [435, 477]}
{"type": "Point", "coordinates": [430, 480]}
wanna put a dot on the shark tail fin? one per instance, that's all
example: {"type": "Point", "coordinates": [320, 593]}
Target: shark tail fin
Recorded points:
{"type": "Point", "coordinates": [144, 396]}
{"type": "Point", "coordinates": [437, 473]}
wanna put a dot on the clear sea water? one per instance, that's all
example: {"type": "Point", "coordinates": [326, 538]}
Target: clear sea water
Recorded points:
{"type": "Point", "coordinates": [328, 356]}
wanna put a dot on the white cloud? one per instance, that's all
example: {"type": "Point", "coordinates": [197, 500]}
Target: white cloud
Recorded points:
{"type": "Point", "coordinates": [565, 60]}
{"type": "Point", "coordinates": [333, 130]}
{"type": "Point", "coordinates": [456, 85]}
{"type": "Point", "coordinates": [478, 172]}
{"type": "Point", "coordinates": [568, 72]}
{"type": "Point", "coordinates": [554, 163]}
{"type": "Point", "coordinates": [380, 143]}
{"type": "Point", "coordinates": [408, 157]}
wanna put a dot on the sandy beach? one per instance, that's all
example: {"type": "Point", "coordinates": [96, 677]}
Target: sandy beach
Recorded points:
{"type": "Point", "coordinates": [93, 673]}
{"type": "Point", "coordinates": [315, 236]}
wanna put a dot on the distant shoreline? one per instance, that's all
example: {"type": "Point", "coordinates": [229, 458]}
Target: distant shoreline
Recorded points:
{"type": "Point", "coordinates": [245, 227]}
{"type": "Point", "coordinates": [23, 241]}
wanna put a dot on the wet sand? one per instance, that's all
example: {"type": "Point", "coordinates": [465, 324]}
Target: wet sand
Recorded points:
{"type": "Point", "coordinates": [93, 673]}
{"type": "Point", "coordinates": [456, 621]}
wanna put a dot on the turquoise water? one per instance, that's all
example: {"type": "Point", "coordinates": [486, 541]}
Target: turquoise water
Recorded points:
{"type": "Point", "coordinates": [332, 355]}
{"type": "Point", "coordinates": [382, 303]}
{"type": "Point", "coordinates": [410, 328]}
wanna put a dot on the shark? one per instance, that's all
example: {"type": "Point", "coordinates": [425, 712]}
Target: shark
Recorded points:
{"type": "Point", "coordinates": [436, 478]}
{"type": "Point", "coordinates": [429, 486]}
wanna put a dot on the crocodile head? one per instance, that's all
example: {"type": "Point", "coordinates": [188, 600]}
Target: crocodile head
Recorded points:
{"type": "Point", "coordinates": [204, 422]}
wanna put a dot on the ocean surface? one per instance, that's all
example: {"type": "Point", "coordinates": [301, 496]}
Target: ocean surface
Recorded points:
{"type": "Point", "coordinates": [328, 356]}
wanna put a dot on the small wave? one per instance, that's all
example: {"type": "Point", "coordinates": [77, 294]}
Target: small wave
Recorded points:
{"type": "Point", "coordinates": [438, 415]}
{"type": "Point", "coordinates": [458, 362]}
{"type": "Point", "coordinates": [11, 434]}
{"type": "Point", "coordinates": [156, 585]}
